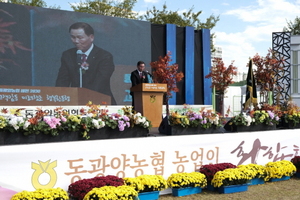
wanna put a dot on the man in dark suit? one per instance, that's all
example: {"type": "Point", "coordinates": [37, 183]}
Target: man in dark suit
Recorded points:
{"type": "Point", "coordinates": [138, 76]}
{"type": "Point", "coordinates": [96, 64]}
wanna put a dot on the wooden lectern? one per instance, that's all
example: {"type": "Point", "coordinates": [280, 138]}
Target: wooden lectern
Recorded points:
{"type": "Point", "coordinates": [148, 100]}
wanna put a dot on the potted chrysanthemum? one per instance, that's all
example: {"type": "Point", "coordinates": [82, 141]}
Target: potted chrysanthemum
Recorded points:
{"type": "Point", "coordinates": [45, 194]}
{"type": "Point", "coordinates": [148, 186]}
{"type": "Point", "coordinates": [257, 172]}
{"type": "Point", "coordinates": [232, 180]}
{"type": "Point", "coordinates": [111, 192]}
{"type": "Point", "coordinates": [296, 161]}
{"type": "Point", "coordinates": [280, 170]}
{"type": "Point", "coordinates": [265, 118]}
{"type": "Point", "coordinates": [194, 122]}
{"type": "Point", "coordinates": [184, 183]}
{"type": "Point", "coordinates": [211, 169]}
{"type": "Point", "coordinates": [80, 188]}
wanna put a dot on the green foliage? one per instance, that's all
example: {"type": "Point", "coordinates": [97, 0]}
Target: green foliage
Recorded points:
{"type": "Point", "coordinates": [112, 8]}
{"type": "Point", "coordinates": [188, 18]}
{"type": "Point", "coordinates": [36, 3]}
{"type": "Point", "coordinates": [293, 27]}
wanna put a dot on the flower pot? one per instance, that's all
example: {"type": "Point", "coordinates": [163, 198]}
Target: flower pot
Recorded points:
{"type": "Point", "coordinates": [291, 125]}
{"type": "Point", "coordinates": [108, 133]}
{"type": "Point", "coordinates": [179, 130]}
{"type": "Point", "coordinates": [61, 137]}
{"type": "Point", "coordinates": [179, 192]}
{"type": "Point", "coordinates": [211, 187]}
{"type": "Point", "coordinates": [149, 195]}
{"type": "Point", "coordinates": [251, 128]}
{"type": "Point", "coordinates": [256, 181]}
{"type": "Point", "coordinates": [233, 188]}
{"type": "Point", "coordinates": [9, 138]}
{"type": "Point", "coordinates": [283, 178]}
{"type": "Point", "coordinates": [297, 174]}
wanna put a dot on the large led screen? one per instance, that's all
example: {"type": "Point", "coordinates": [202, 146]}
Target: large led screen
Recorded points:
{"type": "Point", "coordinates": [34, 39]}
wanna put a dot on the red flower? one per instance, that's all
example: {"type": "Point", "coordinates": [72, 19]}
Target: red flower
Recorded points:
{"type": "Point", "coordinates": [211, 169]}
{"type": "Point", "coordinates": [80, 188]}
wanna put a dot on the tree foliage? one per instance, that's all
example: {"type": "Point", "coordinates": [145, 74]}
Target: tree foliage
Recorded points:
{"type": "Point", "coordinates": [221, 76]}
{"type": "Point", "coordinates": [164, 72]}
{"type": "Point", "coordinates": [112, 8]}
{"type": "Point", "coordinates": [266, 72]}
{"type": "Point", "coordinates": [36, 3]}
{"type": "Point", "coordinates": [293, 27]}
{"type": "Point", "coordinates": [188, 18]}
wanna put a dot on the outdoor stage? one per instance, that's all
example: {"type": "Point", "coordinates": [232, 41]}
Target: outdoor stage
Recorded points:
{"type": "Point", "coordinates": [27, 167]}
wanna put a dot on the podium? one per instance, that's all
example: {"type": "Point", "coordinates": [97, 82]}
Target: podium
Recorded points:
{"type": "Point", "coordinates": [148, 100]}
{"type": "Point", "coordinates": [12, 95]}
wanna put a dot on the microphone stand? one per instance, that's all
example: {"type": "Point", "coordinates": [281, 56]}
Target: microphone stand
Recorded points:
{"type": "Point", "coordinates": [80, 77]}
{"type": "Point", "coordinates": [79, 62]}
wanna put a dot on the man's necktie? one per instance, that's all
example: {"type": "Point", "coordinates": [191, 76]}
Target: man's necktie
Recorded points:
{"type": "Point", "coordinates": [83, 58]}
{"type": "Point", "coordinates": [141, 74]}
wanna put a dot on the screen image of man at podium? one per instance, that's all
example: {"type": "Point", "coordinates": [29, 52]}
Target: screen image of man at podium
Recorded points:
{"type": "Point", "coordinates": [86, 65]}
{"type": "Point", "coordinates": [139, 76]}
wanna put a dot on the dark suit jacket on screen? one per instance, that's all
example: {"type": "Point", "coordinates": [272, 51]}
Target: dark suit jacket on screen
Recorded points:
{"type": "Point", "coordinates": [97, 77]}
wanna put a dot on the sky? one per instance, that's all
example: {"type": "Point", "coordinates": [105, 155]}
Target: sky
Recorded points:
{"type": "Point", "coordinates": [245, 27]}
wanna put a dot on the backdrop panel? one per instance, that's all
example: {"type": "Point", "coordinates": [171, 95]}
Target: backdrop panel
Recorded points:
{"type": "Point", "coordinates": [28, 167]}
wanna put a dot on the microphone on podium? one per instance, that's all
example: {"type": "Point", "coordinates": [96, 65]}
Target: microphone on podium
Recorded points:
{"type": "Point", "coordinates": [149, 73]}
{"type": "Point", "coordinates": [79, 53]}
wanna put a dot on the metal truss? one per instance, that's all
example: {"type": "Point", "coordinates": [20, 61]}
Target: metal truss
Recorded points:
{"type": "Point", "coordinates": [281, 44]}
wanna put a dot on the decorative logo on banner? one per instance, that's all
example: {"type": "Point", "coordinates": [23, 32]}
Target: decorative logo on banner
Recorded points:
{"type": "Point", "coordinates": [152, 98]}
{"type": "Point", "coordinates": [44, 175]}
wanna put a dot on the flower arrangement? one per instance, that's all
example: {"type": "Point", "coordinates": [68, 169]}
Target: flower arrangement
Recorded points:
{"type": "Point", "coordinates": [241, 120]}
{"type": "Point", "coordinates": [111, 192]}
{"type": "Point", "coordinates": [232, 176]}
{"type": "Point", "coordinates": [93, 118]}
{"type": "Point", "coordinates": [210, 170]}
{"type": "Point", "coordinates": [279, 169]}
{"type": "Point", "coordinates": [80, 188]}
{"type": "Point", "coordinates": [183, 180]}
{"type": "Point", "coordinates": [257, 171]}
{"type": "Point", "coordinates": [45, 194]}
{"type": "Point", "coordinates": [290, 113]}
{"type": "Point", "coordinates": [296, 161]}
{"type": "Point", "coordinates": [265, 115]}
{"type": "Point", "coordinates": [204, 119]}
{"type": "Point", "coordinates": [147, 183]}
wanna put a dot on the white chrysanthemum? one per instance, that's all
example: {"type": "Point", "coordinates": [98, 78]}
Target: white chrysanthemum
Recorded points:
{"type": "Point", "coordinates": [98, 123]}
{"type": "Point", "coordinates": [16, 121]}
{"type": "Point", "coordinates": [249, 120]}
{"type": "Point", "coordinates": [138, 115]}
{"type": "Point", "coordinates": [101, 123]}
{"type": "Point", "coordinates": [146, 124]}
{"type": "Point", "coordinates": [216, 121]}
{"type": "Point", "coordinates": [90, 115]}
{"type": "Point", "coordinates": [26, 124]}
{"type": "Point", "coordinates": [143, 119]}
{"type": "Point", "coordinates": [138, 120]}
